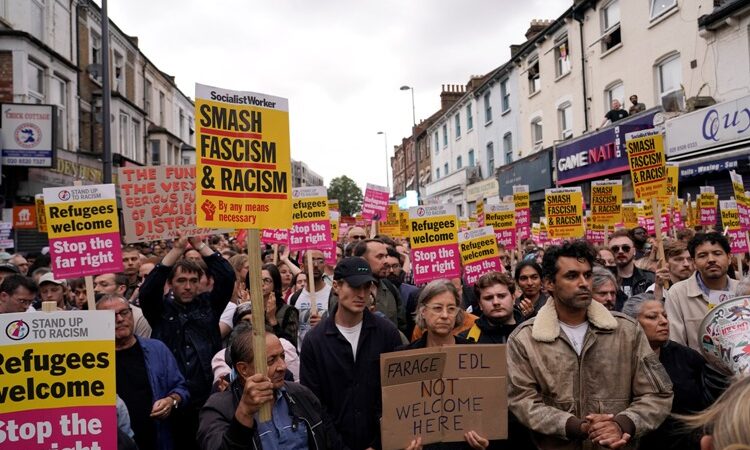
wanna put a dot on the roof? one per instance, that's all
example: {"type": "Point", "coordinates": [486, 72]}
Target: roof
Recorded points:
{"type": "Point", "coordinates": [727, 9]}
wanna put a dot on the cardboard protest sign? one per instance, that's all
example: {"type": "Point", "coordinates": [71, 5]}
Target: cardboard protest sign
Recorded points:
{"type": "Point", "coordinates": [646, 217]}
{"type": "Point", "coordinates": [480, 212]}
{"type": "Point", "coordinates": [274, 236]}
{"type": "Point", "coordinates": [391, 226]}
{"type": "Point", "coordinates": [564, 211]}
{"type": "Point", "coordinates": [677, 216]}
{"type": "Point", "coordinates": [479, 253]}
{"type": "Point", "coordinates": [673, 181]}
{"type": "Point", "coordinates": [157, 202]}
{"type": "Point", "coordinates": [743, 201]}
{"type": "Point", "coordinates": [311, 224]}
{"type": "Point", "coordinates": [84, 231]}
{"type": "Point", "coordinates": [708, 203]}
{"type": "Point", "coordinates": [647, 163]}
{"type": "Point", "coordinates": [243, 173]}
{"type": "Point", "coordinates": [440, 393]}
{"type": "Point", "coordinates": [375, 203]}
{"type": "Point", "coordinates": [333, 204]}
{"type": "Point", "coordinates": [433, 231]}
{"type": "Point", "coordinates": [24, 217]}
{"type": "Point", "coordinates": [41, 216]}
{"type": "Point", "coordinates": [730, 220]}
{"type": "Point", "coordinates": [58, 383]}
{"type": "Point", "coordinates": [403, 221]}
{"type": "Point", "coordinates": [606, 202]}
{"type": "Point", "coordinates": [522, 202]}
{"type": "Point", "coordinates": [629, 215]}
{"type": "Point", "coordinates": [502, 218]}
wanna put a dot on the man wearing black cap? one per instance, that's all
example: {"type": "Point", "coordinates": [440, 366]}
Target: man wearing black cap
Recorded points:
{"type": "Point", "coordinates": [340, 357]}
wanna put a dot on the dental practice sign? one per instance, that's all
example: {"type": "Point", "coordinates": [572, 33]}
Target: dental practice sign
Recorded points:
{"type": "Point", "coordinates": [722, 123]}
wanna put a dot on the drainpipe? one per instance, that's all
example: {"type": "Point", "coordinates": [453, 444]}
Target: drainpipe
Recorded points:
{"type": "Point", "coordinates": [579, 17]}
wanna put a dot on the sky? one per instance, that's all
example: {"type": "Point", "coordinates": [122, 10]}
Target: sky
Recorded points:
{"type": "Point", "coordinates": [339, 62]}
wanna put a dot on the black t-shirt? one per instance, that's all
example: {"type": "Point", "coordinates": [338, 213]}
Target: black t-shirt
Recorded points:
{"type": "Point", "coordinates": [134, 389]}
{"type": "Point", "coordinates": [616, 114]}
{"type": "Point", "coordinates": [626, 286]}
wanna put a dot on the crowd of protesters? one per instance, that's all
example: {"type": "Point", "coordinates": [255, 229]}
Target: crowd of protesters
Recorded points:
{"type": "Point", "coordinates": [603, 342]}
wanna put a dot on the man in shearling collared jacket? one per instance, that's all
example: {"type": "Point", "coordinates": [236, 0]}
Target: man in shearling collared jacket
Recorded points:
{"type": "Point", "coordinates": [582, 377]}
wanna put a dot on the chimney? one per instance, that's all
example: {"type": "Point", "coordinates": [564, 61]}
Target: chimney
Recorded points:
{"type": "Point", "coordinates": [536, 27]}
{"type": "Point", "coordinates": [450, 94]}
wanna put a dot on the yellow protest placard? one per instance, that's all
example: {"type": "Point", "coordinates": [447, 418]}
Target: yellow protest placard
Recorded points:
{"type": "Point", "coordinates": [647, 163]}
{"type": "Point", "coordinates": [391, 226]}
{"type": "Point", "coordinates": [742, 199]}
{"type": "Point", "coordinates": [243, 162]}
{"type": "Point", "coordinates": [41, 215]}
{"type": "Point", "coordinates": [564, 211]}
{"type": "Point", "coordinates": [630, 215]}
{"type": "Point", "coordinates": [502, 218]}
{"type": "Point", "coordinates": [708, 203]}
{"type": "Point", "coordinates": [434, 242]}
{"type": "Point", "coordinates": [403, 219]}
{"type": "Point", "coordinates": [335, 217]}
{"type": "Point", "coordinates": [606, 202]}
{"type": "Point", "coordinates": [673, 182]}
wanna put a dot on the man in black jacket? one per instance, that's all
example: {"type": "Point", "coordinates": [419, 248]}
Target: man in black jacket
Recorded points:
{"type": "Point", "coordinates": [229, 420]}
{"type": "Point", "coordinates": [188, 322]}
{"type": "Point", "coordinates": [632, 280]}
{"type": "Point", "coordinates": [340, 357]}
{"type": "Point", "coordinates": [499, 318]}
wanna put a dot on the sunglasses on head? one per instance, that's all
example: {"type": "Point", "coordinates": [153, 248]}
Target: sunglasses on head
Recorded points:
{"type": "Point", "coordinates": [616, 248]}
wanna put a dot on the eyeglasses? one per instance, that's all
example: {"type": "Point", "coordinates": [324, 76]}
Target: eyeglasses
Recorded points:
{"type": "Point", "coordinates": [123, 313]}
{"type": "Point", "coordinates": [359, 236]}
{"type": "Point", "coordinates": [625, 248]}
{"type": "Point", "coordinates": [440, 309]}
{"type": "Point", "coordinates": [318, 260]}
{"type": "Point", "coordinates": [267, 280]}
{"type": "Point", "coordinates": [24, 301]}
{"type": "Point", "coordinates": [394, 267]}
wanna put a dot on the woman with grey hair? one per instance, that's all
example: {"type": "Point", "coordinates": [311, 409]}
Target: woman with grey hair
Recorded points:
{"type": "Point", "coordinates": [438, 313]}
{"type": "Point", "coordinates": [686, 368]}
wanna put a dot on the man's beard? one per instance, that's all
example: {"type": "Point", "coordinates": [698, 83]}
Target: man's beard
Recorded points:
{"type": "Point", "coordinates": [396, 279]}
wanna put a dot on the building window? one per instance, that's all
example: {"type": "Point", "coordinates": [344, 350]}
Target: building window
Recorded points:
{"type": "Point", "coordinates": [505, 96]}
{"type": "Point", "coordinates": [565, 116]}
{"type": "Point", "coordinates": [35, 83]}
{"type": "Point", "coordinates": [147, 95]}
{"type": "Point", "coordinates": [615, 91]}
{"type": "Point", "coordinates": [437, 173]}
{"type": "Point", "coordinates": [487, 108]}
{"type": "Point", "coordinates": [445, 135]}
{"type": "Point", "coordinates": [536, 132]}
{"type": "Point", "coordinates": [659, 7]}
{"type": "Point", "coordinates": [669, 74]}
{"type": "Point", "coordinates": [119, 65]}
{"type": "Point", "coordinates": [471, 157]}
{"type": "Point", "coordinates": [182, 125]}
{"type": "Point", "coordinates": [137, 139]}
{"type": "Point", "coordinates": [508, 147]}
{"type": "Point", "coordinates": [445, 169]}
{"type": "Point", "coordinates": [457, 120]}
{"type": "Point", "coordinates": [162, 107]}
{"type": "Point", "coordinates": [155, 152]}
{"type": "Point", "coordinates": [562, 56]}
{"type": "Point", "coordinates": [459, 163]}
{"type": "Point", "coordinates": [610, 26]}
{"type": "Point", "coordinates": [96, 52]}
{"type": "Point", "coordinates": [490, 157]}
{"type": "Point", "coordinates": [533, 74]}
{"type": "Point", "coordinates": [58, 96]}
{"type": "Point", "coordinates": [124, 135]}
{"type": "Point", "coordinates": [437, 143]}
{"type": "Point", "coordinates": [469, 118]}
{"type": "Point", "coordinates": [36, 17]}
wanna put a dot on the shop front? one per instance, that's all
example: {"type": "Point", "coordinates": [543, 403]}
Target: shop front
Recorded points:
{"type": "Point", "coordinates": [708, 143]}
{"type": "Point", "coordinates": [536, 172]}
{"type": "Point", "coordinates": [600, 155]}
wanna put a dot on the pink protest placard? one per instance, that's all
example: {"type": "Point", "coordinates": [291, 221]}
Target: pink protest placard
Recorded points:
{"type": "Point", "coordinates": [434, 242]}
{"type": "Point", "coordinates": [83, 229]}
{"type": "Point", "coordinates": [275, 236]}
{"type": "Point", "coordinates": [521, 200]}
{"type": "Point", "coordinates": [502, 217]}
{"type": "Point", "coordinates": [479, 253]}
{"type": "Point", "coordinates": [311, 224]}
{"type": "Point", "coordinates": [375, 203]}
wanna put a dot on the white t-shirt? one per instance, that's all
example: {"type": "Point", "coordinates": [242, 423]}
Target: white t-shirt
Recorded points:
{"type": "Point", "coordinates": [303, 306]}
{"type": "Point", "coordinates": [576, 334]}
{"type": "Point", "coordinates": [228, 315]}
{"type": "Point", "coordinates": [352, 335]}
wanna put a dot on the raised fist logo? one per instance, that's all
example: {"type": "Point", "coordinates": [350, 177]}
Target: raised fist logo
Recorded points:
{"type": "Point", "coordinates": [209, 209]}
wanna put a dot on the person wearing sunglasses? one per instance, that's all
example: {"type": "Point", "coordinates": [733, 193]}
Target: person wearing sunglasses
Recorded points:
{"type": "Point", "coordinates": [632, 280]}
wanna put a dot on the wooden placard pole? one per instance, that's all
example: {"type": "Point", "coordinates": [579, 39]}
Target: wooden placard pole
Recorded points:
{"type": "Point", "coordinates": [275, 254]}
{"type": "Point", "coordinates": [88, 279]}
{"type": "Point", "coordinates": [656, 208]}
{"type": "Point", "coordinates": [259, 312]}
{"type": "Point", "coordinates": [49, 306]}
{"type": "Point", "coordinates": [672, 229]}
{"type": "Point", "coordinates": [373, 228]}
{"type": "Point", "coordinates": [606, 235]}
{"type": "Point", "coordinates": [311, 282]}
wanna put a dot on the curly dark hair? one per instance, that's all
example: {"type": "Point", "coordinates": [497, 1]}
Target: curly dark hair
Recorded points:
{"type": "Point", "coordinates": [578, 249]}
{"type": "Point", "coordinates": [712, 238]}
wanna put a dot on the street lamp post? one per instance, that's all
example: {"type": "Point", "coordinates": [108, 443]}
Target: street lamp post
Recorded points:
{"type": "Point", "coordinates": [414, 138]}
{"type": "Point", "coordinates": [385, 143]}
